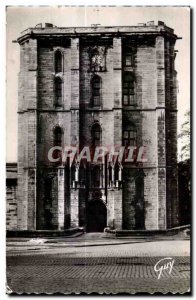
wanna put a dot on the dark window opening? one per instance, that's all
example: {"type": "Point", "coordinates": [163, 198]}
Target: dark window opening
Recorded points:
{"type": "Point", "coordinates": [58, 138]}
{"type": "Point", "coordinates": [128, 89]}
{"type": "Point", "coordinates": [129, 137]}
{"type": "Point", "coordinates": [58, 91]}
{"type": "Point", "coordinates": [96, 135]}
{"type": "Point", "coordinates": [96, 91]}
{"type": "Point", "coordinates": [58, 62]}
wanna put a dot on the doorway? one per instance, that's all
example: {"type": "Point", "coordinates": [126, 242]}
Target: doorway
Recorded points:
{"type": "Point", "coordinates": [96, 216]}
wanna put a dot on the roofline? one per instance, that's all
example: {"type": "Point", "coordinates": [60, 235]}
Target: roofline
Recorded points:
{"type": "Point", "coordinates": [96, 31]}
{"type": "Point", "coordinates": [124, 34]}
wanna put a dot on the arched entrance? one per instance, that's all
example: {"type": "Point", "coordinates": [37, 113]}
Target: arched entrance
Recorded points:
{"type": "Point", "coordinates": [96, 216]}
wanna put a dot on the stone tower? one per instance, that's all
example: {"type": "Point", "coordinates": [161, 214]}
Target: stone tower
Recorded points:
{"type": "Point", "coordinates": [97, 86]}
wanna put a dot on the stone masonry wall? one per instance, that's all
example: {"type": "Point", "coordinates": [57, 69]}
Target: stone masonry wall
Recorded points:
{"type": "Point", "coordinates": [27, 118]}
{"type": "Point", "coordinates": [143, 116]}
{"type": "Point", "coordinates": [154, 117]}
{"type": "Point", "coordinates": [11, 207]}
{"type": "Point", "coordinates": [171, 135]}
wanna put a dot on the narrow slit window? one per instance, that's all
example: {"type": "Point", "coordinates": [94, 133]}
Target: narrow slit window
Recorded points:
{"type": "Point", "coordinates": [58, 62]}
{"type": "Point", "coordinates": [58, 92]}
{"type": "Point", "coordinates": [58, 140]}
{"type": "Point", "coordinates": [96, 135]}
{"type": "Point", "coordinates": [96, 91]}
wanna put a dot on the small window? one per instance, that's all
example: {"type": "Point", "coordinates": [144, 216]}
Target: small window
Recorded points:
{"type": "Point", "coordinates": [129, 60]}
{"type": "Point", "coordinates": [58, 140]}
{"type": "Point", "coordinates": [128, 89]}
{"type": "Point", "coordinates": [96, 91]}
{"type": "Point", "coordinates": [58, 62]}
{"type": "Point", "coordinates": [58, 136]}
{"type": "Point", "coordinates": [129, 56]}
{"type": "Point", "coordinates": [129, 137]}
{"type": "Point", "coordinates": [58, 91]}
{"type": "Point", "coordinates": [96, 135]}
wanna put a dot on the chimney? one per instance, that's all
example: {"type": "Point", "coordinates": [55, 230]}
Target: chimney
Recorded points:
{"type": "Point", "coordinates": [48, 25]}
{"type": "Point", "coordinates": [160, 23]}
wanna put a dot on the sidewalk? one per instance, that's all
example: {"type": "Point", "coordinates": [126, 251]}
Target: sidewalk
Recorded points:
{"type": "Point", "coordinates": [88, 240]}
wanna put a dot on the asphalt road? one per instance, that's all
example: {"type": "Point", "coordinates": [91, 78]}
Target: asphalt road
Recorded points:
{"type": "Point", "coordinates": [91, 263]}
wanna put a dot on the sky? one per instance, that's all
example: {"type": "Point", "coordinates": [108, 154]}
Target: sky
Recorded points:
{"type": "Point", "coordinates": [22, 17]}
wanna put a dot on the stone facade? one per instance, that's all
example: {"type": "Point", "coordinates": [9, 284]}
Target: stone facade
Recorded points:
{"type": "Point", "coordinates": [106, 85]}
{"type": "Point", "coordinates": [11, 198]}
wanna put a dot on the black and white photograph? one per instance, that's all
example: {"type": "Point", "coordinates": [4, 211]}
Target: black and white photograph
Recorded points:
{"type": "Point", "coordinates": [98, 142]}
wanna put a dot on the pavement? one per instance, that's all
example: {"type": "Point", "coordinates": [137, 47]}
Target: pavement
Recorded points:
{"type": "Point", "coordinates": [94, 263]}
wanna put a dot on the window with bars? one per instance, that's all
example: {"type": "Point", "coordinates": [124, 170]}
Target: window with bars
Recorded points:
{"type": "Point", "coordinates": [128, 89]}
{"type": "Point", "coordinates": [96, 91]}
{"type": "Point", "coordinates": [58, 91]}
{"type": "Point", "coordinates": [129, 137]}
{"type": "Point", "coordinates": [96, 135]}
{"type": "Point", "coordinates": [58, 62]}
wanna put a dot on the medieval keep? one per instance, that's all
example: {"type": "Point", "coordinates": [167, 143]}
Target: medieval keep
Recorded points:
{"type": "Point", "coordinates": [97, 86]}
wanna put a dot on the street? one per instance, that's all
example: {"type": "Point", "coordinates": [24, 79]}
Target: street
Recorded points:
{"type": "Point", "coordinates": [91, 263]}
